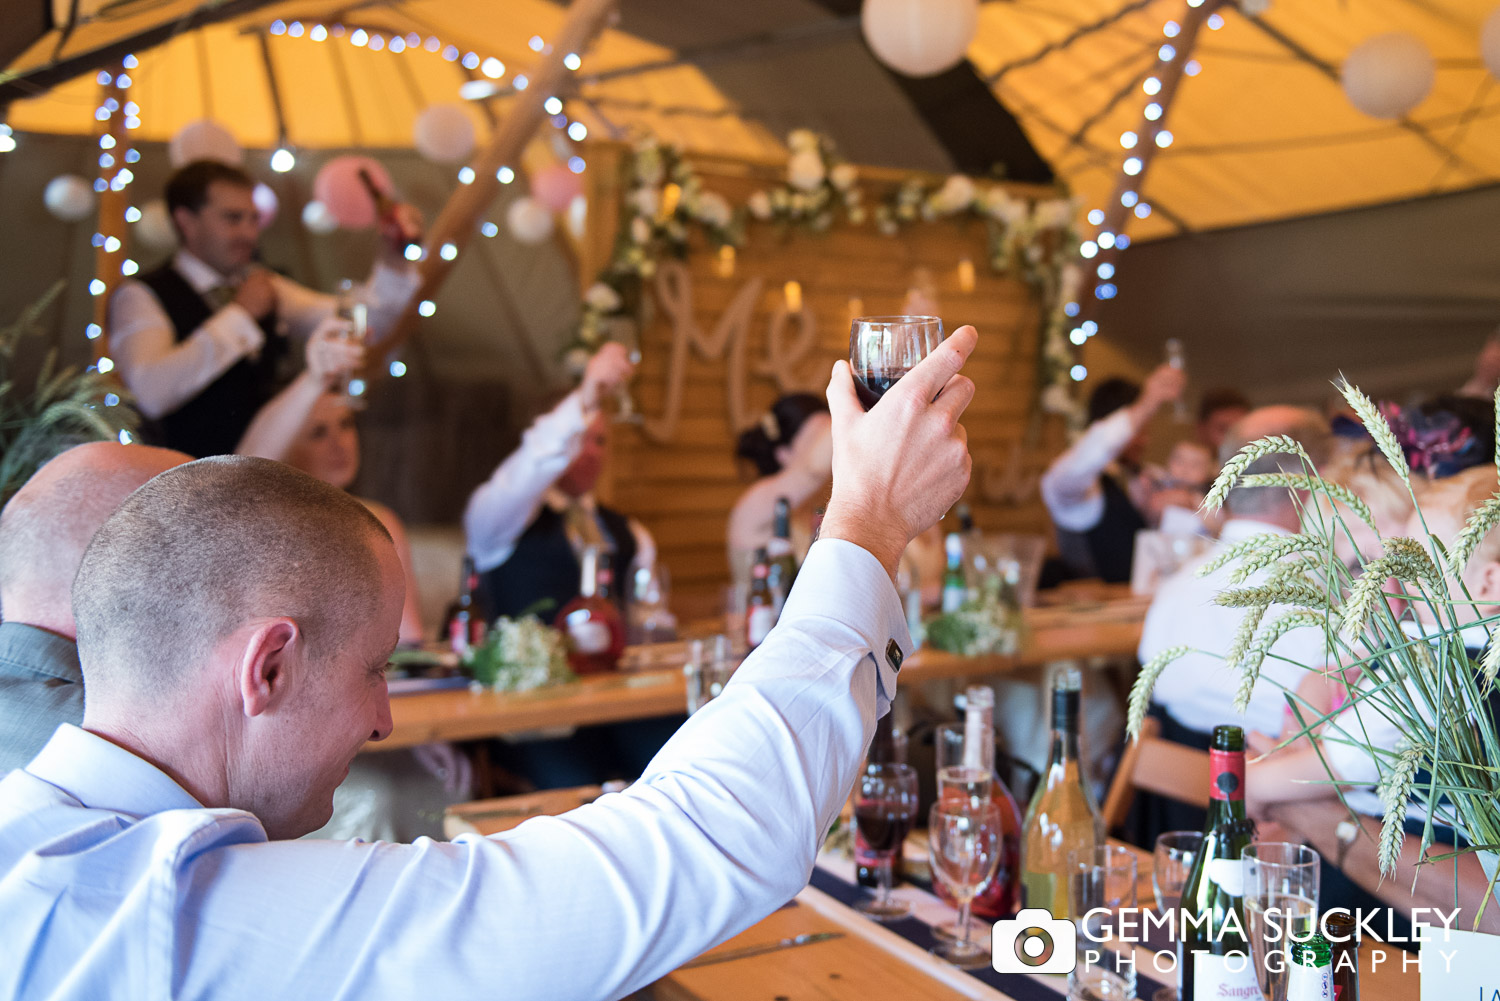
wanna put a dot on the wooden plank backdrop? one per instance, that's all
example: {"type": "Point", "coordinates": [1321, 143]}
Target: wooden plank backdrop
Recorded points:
{"type": "Point", "coordinates": [682, 488]}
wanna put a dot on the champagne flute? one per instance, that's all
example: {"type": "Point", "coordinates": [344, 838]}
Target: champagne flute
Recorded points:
{"type": "Point", "coordinates": [884, 348]}
{"type": "Point", "coordinates": [1170, 865]}
{"type": "Point", "coordinates": [353, 308]}
{"type": "Point", "coordinates": [1177, 360]}
{"type": "Point", "coordinates": [964, 838]}
{"type": "Point", "coordinates": [884, 811]}
{"type": "Point", "coordinates": [1281, 908]}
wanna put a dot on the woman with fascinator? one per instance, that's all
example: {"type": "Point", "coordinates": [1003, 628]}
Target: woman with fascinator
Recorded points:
{"type": "Point", "coordinates": [790, 450]}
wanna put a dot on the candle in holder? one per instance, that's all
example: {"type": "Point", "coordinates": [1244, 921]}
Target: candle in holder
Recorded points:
{"type": "Point", "coordinates": [793, 292]}
{"type": "Point", "coordinates": [966, 275]}
{"type": "Point", "coordinates": [671, 194]}
{"type": "Point", "coordinates": [725, 267]}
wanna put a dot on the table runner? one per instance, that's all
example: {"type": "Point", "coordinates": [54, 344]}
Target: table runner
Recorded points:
{"type": "Point", "coordinates": [828, 878]}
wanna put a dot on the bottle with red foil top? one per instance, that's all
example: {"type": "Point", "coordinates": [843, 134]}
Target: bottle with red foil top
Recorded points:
{"type": "Point", "coordinates": [1001, 897]}
{"type": "Point", "coordinates": [466, 625]}
{"type": "Point", "coordinates": [592, 621]}
{"type": "Point", "coordinates": [1213, 944]}
{"type": "Point", "coordinates": [760, 606]}
{"type": "Point", "coordinates": [885, 749]}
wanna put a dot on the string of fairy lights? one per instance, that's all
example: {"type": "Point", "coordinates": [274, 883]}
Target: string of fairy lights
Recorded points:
{"type": "Point", "coordinates": [1132, 141]}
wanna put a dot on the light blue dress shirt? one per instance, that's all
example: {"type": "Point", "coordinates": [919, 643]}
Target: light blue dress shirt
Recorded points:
{"type": "Point", "coordinates": [115, 883]}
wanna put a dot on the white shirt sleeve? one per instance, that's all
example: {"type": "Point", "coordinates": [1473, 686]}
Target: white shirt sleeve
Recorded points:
{"type": "Point", "coordinates": [161, 373]}
{"type": "Point", "coordinates": [723, 828]}
{"type": "Point", "coordinates": [1070, 486]}
{"type": "Point", "coordinates": [500, 508]}
{"type": "Point", "coordinates": [300, 309]}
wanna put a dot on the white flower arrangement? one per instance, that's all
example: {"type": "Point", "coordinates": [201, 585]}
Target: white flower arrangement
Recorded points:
{"type": "Point", "coordinates": [819, 185]}
{"type": "Point", "coordinates": [519, 655]}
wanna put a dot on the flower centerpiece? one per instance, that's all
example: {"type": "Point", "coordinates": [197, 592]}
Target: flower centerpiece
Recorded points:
{"type": "Point", "coordinates": [989, 623]}
{"type": "Point", "coordinates": [519, 655]}
{"type": "Point", "coordinates": [1413, 654]}
{"type": "Point", "coordinates": [819, 185]}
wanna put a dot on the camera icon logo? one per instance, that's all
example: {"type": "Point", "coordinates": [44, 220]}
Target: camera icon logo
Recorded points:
{"type": "Point", "coordinates": [1034, 942]}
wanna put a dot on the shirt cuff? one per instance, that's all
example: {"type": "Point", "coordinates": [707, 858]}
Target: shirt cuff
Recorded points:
{"type": "Point", "coordinates": [235, 331]}
{"type": "Point", "coordinates": [845, 583]}
{"type": "Point", "coordinates": [390, 283]}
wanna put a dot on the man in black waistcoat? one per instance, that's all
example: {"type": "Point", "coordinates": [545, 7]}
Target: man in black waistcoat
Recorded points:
{"type": "Point", "coordinates": [204, 341]}
{"type": "Point", "coordinates": [1087, 488]}
{"type": "Point", "coordinates": [528, 525]}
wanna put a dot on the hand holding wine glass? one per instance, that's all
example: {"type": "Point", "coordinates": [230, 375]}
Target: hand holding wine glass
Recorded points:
{"type": "Point", "coordinates": [900, 466]}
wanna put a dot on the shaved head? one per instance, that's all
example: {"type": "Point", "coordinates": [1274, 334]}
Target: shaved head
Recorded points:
{"type": "Point", "coordinates": [209, 546]}
{"type": "Point", "coordinates": [1298, 423]}
{"type": "Point", "coordinates": [46, 526]}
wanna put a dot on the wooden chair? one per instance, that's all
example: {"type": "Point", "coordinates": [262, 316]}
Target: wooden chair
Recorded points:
{"type": "Point", "coordinates": [1157, 766]}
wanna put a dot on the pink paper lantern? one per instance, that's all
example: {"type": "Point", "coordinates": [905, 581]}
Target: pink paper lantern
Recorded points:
{"type": "Point", "coordinates": [339, 187]}
{"type": "Point", "coordinates": [555, 187]}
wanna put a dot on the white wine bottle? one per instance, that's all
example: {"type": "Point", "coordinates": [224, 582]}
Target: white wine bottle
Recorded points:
{"type": "Point", "coordinates": [1063, 815]}
{"type": "Point", "coordinates": [1214, 949]}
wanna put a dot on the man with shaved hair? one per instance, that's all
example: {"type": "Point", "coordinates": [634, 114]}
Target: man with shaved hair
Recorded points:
{"type": "Point", "coordinates": [234, 619]}
{"type": "Point", "coordinates": [43, 531]}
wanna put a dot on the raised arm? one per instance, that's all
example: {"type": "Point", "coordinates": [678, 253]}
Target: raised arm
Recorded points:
{"type": "Point", "coordinates": [163, 373]}
{"type": "Point", "coordinates": [500, 508]}
{"type": "Point", "coordinates": [722, 829]}
{"type": "Point", "coordinates": [275, 427]}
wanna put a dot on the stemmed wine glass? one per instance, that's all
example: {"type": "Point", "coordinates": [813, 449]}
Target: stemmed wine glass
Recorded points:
{"type": "Point", "coordinates": [884, 348]}
{"type": "Point", "coordinates": [964, 838]}
{"type": "Point", "coordinates": [958, 779]}
{"type": "Point", "coordinates": [1281, 907]}
{"type": "Point", "coordinates": [884, 811]}
{"type": "Point", "coordinates": [1170, 866]}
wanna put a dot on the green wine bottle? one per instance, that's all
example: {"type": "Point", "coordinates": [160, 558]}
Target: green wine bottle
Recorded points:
{"type": "Point", "coordinates": [1310, 972]}
{"type": "Point", "coordinates": [1213, 946]}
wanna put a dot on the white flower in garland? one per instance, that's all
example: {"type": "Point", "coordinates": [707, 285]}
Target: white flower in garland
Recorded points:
{"type": "Point", "coordinates": [800, 140]}
{"type": "Point", "coordinates": [956, 195]}
{"type": "Point", "coordinates": [759, 205]}
{"type": "Point", "coordinates": [843, 176]}
{"type": "Point", "coordinates": [640, 230]}
{"type": "Point", "coordinates": [805, 170]}
{"type": "Point", "coordinates": [1058, 213]}
{"type": "Point", "coordinates": [712, 209]}
{"type": "Point", "coordinates": [998, 204]}
{"type": "Point", "coordinates": [602, 298]}
{"type": "Point", "coordinates": [646, 201]}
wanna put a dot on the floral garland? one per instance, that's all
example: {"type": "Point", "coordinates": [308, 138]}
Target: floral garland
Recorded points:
{"type": "Point", "coordinates": [664, 200]}
{"type": "Point", "coordinates": [819, 183]}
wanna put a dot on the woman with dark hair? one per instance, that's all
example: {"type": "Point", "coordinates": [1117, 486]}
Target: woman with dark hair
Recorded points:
{"type": "Point", "coordinates": [791, 448]}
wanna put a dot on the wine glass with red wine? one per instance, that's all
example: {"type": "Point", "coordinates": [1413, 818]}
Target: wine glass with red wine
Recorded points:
{"type": "Point", "coordinates": [884, 811]}
{"type": "Point", "coordinates": [884, 348]}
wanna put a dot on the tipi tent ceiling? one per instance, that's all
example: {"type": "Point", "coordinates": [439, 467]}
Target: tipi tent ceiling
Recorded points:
{"type": "Point", "coordinates": [1263, 132]}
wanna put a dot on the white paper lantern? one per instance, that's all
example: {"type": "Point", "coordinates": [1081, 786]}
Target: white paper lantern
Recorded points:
{"type": "Point", "coordinates": [69, 197]}
{"type": "Point", "coordinates": [1388, 75]}
{"type": "Point", "coordinates": [1489, 42]}
{"type": "Point", "coordinates": [318, 219]}
{"type": "Point", "coordinates": [529, 222]}
{"type": "Point", "coordinates": [920, 37]}
{"type": "Point", "coordinates": [154, 227]}
{"type": "Point", "coordinates": [204, 139]}
{"type": "Point", "coordinates": [443, 133]}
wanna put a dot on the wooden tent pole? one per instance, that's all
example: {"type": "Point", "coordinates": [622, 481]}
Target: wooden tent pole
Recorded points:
{"type": "Point", "coordinates": [1117, 213]}
{"type": "Point", "coordinates": [459, 219]}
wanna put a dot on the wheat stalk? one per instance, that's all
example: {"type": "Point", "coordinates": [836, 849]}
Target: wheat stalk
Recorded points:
{"type": "Point", "coordinates": [1234, 469]}
{"type": "Point", "coordinates": [1241, 549]}
{"type": "Point", "coordinates": [1140, 692]}
{"type": "Point", "coordinates": [1264, 640]}
{"type": "Point", "coordinates": [1489, 664]}
{"type": "Point", "coordinates": [1395, 791]}
{"type": "Point", "coordinates": [1484, 518]}
{"type": "Point", "coordinates": [1406, 560]}
{"type": "Point", "coordinates": [1375, 423]}
{"type": "Point", "coordinates": [1281, 592]}
{"type": "Point", "coordinates": [1244, 636]}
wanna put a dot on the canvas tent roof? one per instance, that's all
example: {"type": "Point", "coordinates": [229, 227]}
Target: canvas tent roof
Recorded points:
{"type": "Point", "coordinates": [1264, 132]}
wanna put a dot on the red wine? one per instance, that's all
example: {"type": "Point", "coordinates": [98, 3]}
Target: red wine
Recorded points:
{"type": "Point", "coordinates": [884, 824]}
{"type": "Point", "coordinates": [870, 384]}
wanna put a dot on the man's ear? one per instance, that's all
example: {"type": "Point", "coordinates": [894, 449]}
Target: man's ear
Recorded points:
{"type": "Point", "coordinates": [266, 660]}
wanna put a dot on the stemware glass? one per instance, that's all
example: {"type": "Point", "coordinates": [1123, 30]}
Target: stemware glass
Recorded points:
{"type": "Point", "coordinates": [1170, 865]}
{"type": "Point", "coordinates": [1281, 907]}
{"type": "Point", "coordinates": [884, 810]}
{"type": "Point", "coordinates": [965, 842]}
{"type": "Point", "coordinates": [884, 348]}
{"type": "Point", "coordinates": [1101, 883]}
{"type": "Point", "coordinates": [353, 308]}
{"type": "Point", "coordinates": [955, 780]}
